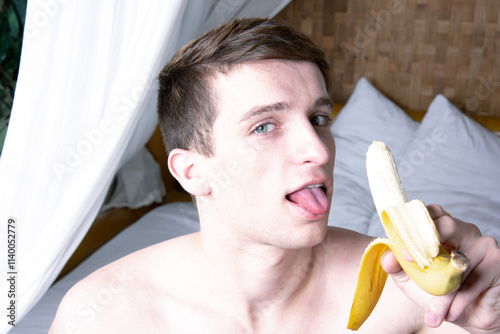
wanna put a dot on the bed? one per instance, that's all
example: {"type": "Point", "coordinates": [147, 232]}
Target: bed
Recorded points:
{"type": "Point", "coordinates": [448, 151]}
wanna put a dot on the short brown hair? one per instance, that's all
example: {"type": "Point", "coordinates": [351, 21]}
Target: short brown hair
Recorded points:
{"type": "Point", "coordinates": [186, 111]}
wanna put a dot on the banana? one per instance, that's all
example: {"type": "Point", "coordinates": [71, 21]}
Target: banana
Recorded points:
{"type": "Point", "coordinates": [409, 226]}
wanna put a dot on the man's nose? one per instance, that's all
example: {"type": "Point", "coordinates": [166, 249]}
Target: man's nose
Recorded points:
{"type": "Point", "coordinates": [307, 146]}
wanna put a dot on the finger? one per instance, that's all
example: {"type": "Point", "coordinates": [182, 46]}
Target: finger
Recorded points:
{"type": "Point", "coordinates": [478, 277]}
{"type": "Point", "coordinates": [436, 211]}
{"type": "Point", "coordinates": [390, 264]}
{"type": "Point", "coordinates": [455, 233]}
{"type": "Point", "coordinates": [437, 309]}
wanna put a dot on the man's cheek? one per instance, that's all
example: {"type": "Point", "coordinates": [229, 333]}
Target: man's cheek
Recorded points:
{"type": "Point", "coordinates": [234, 168]}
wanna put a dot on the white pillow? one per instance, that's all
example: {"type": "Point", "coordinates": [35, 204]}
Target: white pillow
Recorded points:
{"type": "Point", "coordinates": [455, 162]}
{"type": "Point", "coordinates": [452, 152]}
{"type": "Point", "coordinates": [367, 115]}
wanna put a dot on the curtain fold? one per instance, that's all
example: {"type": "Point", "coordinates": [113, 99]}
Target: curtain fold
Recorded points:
{"type": "Point", "coordinates": [84, 104]}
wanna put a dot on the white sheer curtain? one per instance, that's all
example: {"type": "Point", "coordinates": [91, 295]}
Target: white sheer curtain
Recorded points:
{"type": "Point", "coordinates": [84, 104]}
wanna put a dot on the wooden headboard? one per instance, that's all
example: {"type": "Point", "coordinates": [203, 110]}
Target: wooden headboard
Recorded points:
{"type": "Point", "coordinates": [410, 50]}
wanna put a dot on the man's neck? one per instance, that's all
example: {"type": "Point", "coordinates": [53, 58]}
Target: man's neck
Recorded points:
{"type": "Point", "coordinates": [259, 279]}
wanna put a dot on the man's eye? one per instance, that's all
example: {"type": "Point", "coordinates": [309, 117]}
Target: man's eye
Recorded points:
{"type": "Point", "coordinates": [320, 120]}
{"type": "Point", "coordinates": [264, 128]}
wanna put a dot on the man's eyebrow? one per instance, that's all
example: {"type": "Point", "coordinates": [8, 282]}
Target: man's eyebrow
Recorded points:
{"type": "Point", "coordinates": [324, 101]}
{"type": "Point", "coordinates": [259, 110]}
{"type": "Point", "coordinates": [280, 106]}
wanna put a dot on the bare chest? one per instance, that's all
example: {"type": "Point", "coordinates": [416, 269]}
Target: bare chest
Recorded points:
{"type": "Point", "coordinates": [320, 315]}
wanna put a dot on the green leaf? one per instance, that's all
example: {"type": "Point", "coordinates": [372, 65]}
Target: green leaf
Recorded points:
{"type": "Point", "coordinates": [3, 133]}
{"type": "Point", "coordinates": [13, 22]}
{"type": "Point", "coordinates": [12, 18]}
{"type": "Point", "coordinates": [20, 7]}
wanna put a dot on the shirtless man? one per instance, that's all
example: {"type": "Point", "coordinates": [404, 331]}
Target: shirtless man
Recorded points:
{"type": "Point", "coordinates": [251, 99]}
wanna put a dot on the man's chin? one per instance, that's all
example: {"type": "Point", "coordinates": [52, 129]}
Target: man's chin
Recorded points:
{"type": "Point", "coordinates": [308, 235]}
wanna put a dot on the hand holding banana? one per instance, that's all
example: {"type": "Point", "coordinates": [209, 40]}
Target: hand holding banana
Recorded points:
{"type": "Point", "coordinates": [410, 228]}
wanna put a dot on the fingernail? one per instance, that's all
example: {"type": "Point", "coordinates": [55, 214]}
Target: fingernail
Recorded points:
{"type": "Point", "coordinates": [431, 314]}
{"type": "Point", "coordinates": [435, 306]}
{"type": "Point", "coordinates": [431, 319]}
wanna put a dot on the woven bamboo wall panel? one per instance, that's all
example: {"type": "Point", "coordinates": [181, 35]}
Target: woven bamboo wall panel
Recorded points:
{"type": "Point", "coordinates": [410, 50]}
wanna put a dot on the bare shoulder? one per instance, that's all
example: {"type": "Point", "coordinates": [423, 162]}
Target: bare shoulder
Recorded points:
{"type": "Point", "coordinates": [337, 259]}
{"type": "Point", "coordinates": [119, 294]}
{"type": "Point", "coordinates": [341, 236]}
{"type": "Point", "coordinates": [92, 299]}
{"type": "Point", "coordinates": [343, 246]}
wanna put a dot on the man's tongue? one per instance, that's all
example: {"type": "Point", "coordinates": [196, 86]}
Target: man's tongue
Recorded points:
{"type": "Point", "coordinates": [312, 199]}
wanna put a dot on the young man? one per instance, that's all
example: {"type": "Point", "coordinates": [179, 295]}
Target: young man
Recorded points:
{"type": "Point", "coordinates": [251, 98]}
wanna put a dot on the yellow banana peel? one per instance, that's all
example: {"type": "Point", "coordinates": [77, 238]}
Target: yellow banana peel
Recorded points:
{"type": "Point", "coordinates": [409, 226]}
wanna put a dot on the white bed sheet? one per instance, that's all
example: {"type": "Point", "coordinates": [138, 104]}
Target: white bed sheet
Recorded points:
{"type": "Point", "coordinates": [165, 222]}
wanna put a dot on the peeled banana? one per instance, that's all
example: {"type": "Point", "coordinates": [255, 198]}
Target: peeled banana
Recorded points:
{"type": "Point", "coordinates": [409, 226]}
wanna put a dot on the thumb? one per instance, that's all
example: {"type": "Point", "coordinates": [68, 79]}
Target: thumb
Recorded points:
{"type": "Point", "coordinates": [391, 265]}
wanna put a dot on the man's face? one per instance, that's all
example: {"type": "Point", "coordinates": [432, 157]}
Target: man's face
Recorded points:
{"type": "Point", "coordinates": [271, 174]}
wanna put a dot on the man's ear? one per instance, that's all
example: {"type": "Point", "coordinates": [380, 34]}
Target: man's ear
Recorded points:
{"type": "Point", "coordinates": [185, 166]}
